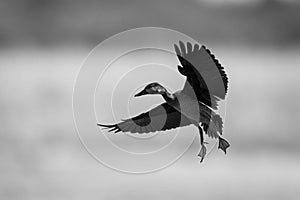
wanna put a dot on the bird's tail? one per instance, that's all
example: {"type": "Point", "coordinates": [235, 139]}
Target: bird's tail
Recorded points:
{"type": "Point", "coordinates": [213, 128]}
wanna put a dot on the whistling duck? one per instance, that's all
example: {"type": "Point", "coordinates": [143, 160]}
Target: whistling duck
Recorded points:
{"type": "Point", "coordinates": [206, 83]}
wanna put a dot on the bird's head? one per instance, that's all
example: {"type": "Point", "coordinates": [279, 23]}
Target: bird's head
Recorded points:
{"type": "Point", "coordinates": [152, 88]}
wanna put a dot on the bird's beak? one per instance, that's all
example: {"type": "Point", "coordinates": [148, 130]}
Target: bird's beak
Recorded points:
{"type": "Point", "coordinates": [141, 93]}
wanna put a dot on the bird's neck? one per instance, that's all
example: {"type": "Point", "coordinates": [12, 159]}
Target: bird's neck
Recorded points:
{"type": "Point", "coordinates": [168, 96]}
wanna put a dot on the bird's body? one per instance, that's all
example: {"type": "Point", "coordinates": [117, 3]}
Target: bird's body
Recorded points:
{"type": "Point", "coordinates": [206, 84]}
{"type": "Point", "coordinates": [190, 107]}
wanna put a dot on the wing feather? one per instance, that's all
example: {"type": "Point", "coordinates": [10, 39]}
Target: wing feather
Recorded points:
{"type": "Point", "coordinates": [160, 118]}
{"type": "Point", "coordinates": [206, 77]}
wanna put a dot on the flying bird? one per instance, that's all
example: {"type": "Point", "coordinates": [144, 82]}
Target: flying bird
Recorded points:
{"type": "Point", "coordinates": [196, 104]}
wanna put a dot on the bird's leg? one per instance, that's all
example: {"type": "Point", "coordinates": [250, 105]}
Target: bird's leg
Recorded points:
{"type": "Point", "coordinates": [202, 152]}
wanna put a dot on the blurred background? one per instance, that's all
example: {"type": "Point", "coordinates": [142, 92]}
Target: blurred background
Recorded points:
{"type": "Point", "coordinates": [43, 42]}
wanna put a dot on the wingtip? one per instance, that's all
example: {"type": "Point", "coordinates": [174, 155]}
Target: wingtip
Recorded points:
{"type": "Point", "coordinates": [196, 47]}
{"type": "Point", "coordinates": [182, 48]}
{"type": "Point", "coordinates": [112, 128]}
{"type": "Point", "coordinates": [189, 47]}
{"type": "Point", "coordinates": [177, 50]}
{"type": "Point", "coordinates": [105, 125]}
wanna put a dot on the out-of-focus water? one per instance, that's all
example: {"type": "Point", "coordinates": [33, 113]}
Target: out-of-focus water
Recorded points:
{"type": "Point", "coordinates": [42, 158]}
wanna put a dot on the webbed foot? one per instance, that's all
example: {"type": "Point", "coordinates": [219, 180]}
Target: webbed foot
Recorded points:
{"type": "Point", "coordinates": [202, 152]}
{"type": "Point", "coordinates": [223, 144]}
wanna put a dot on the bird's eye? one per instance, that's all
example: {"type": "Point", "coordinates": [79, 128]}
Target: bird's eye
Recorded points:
{"type": "Point", "coordinates": [160, 89]}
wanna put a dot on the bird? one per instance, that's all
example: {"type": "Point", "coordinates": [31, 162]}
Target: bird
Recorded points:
{"type": "Point", "coordinates": [196, 104]}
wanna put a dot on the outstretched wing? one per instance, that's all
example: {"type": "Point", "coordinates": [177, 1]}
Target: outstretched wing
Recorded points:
{"type": "Point", "coordinates": [160, 118]}
{"type": "Point", "coordinates": [206, 78]}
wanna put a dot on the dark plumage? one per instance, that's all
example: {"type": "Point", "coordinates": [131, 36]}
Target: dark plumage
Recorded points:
{"type": "Point", "coordinates": [161, 118]}
{"type": "Point", "coordinates": [206, 84]}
